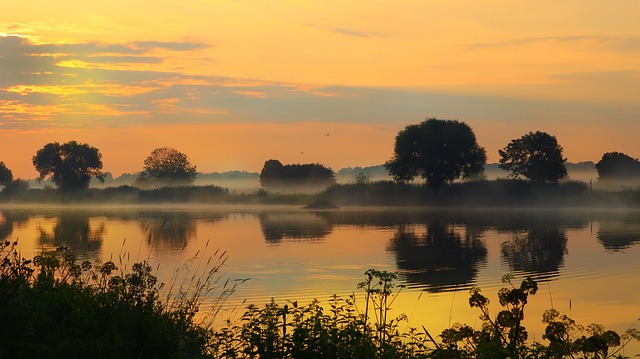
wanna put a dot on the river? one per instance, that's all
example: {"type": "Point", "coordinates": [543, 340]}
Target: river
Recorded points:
{"type": "Point", "coordinates": [587, 262]}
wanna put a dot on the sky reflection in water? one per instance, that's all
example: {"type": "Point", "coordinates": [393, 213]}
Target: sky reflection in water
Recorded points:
{"type": "Point", "coordinates": [588, 259]}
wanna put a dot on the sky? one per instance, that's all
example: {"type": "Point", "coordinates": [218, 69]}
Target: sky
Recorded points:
{"type": "Point", "coordinates": [233, 83]}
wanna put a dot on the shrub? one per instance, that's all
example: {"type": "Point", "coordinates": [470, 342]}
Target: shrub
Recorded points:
{"type": "Point", "coordinates": [54, 307]}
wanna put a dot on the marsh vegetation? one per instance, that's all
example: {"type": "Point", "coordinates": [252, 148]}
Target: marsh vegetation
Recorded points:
{"type": "Point", "coordinates": [55, 307]}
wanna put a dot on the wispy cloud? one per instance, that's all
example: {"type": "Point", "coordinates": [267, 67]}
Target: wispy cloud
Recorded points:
{"type": "Point", "coordinates": [521, 41]}
{"type": "Point", "coordinates": [350, 32]}
{"type": "Point", "coordinates": [97, 84]}
{"type": "Point", "coordinates": [619, 43]}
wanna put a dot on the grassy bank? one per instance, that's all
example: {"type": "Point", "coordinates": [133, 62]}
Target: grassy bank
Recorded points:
{"type": "Point", "coordinates": [494, 193]}
{"type": "Point", "coordinates": [54, 307]}
{"type": "Point", "coordinates": [133, 195]}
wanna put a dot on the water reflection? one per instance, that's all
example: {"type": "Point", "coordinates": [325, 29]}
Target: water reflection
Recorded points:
{"type": "Point", "coordinates": [536, 250]}
{"type": "Point", "coordinates": [445, 256]}
{"type": "Point", "coordinates": [434, 249]}
{"type": "Point", "coordinates": [83, 231]}
{"type": "Point", "coordinates": [618, 235]}
{"type": "Point", "coordinates": [450, 249]}
{"type": "Point", "coordinates": [10, 220]}
{"type": "Point", "coordinates": [171, 231]}
{"type": "Point", "coordinates": [278, 226]}
{"type": "Point", "coordinates": [77, 231]}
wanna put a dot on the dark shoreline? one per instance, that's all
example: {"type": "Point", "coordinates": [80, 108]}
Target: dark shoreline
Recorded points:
{"type": "Point", "coordinates": [476, 194]}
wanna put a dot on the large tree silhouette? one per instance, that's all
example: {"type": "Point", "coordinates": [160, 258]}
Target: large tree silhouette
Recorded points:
{"type": "Point", "coordinates": [438, 151]}
{"type": "Point", "coordinates": [536, 156]}
{"type": "Point", "coordinates": [70, 165]}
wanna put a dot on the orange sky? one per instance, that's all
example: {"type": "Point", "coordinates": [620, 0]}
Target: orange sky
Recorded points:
{"type": "Point", "coordinates": [234, 83]}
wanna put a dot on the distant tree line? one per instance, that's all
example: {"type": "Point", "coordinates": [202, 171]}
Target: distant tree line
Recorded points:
{"type": "Point", "coordinates": [441, 151]}
{"type": "Point", "coordinates": [434, 150]}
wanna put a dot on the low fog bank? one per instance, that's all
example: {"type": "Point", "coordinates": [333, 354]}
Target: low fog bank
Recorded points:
{"type": "Point", "coordinates": [247, 182]}
{"type": "Point", "coordinates": [244, 187]}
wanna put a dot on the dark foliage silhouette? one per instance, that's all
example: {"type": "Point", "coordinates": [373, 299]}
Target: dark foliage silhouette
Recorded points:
{"type": "Point", "coordinates": [617, 165]}
{"type": "Point", "coordinates": [535, 156]}
{"type": "Point", "coordinates": [6, 176]}
{"type": "Point", "coordinates": [70, 165]}
{"type": "Point", "coordinates": [438, 151]}
{"type": "Point", "coordinates": [276, 176]}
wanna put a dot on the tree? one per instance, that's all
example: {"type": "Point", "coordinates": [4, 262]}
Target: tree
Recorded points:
{"type": "Point", "coordinates": [11, 186]}
{"type": "Point", "coordinates": [439, 151]}
{"type": "Point", "coordinates": [536, 156]}
{"type": "Point", "coordinates": [6, 176]}
{"type": "Point", "coordinates": [617, 165]}
{"type": "Point", "coordinates": [70, 165]}
{"type": "Point", "coordinates": [275, 175]}
{"type": "Point", "coordinates": [168, 166]}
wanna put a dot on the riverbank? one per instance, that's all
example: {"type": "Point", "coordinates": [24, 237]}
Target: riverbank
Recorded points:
{"type": "Point", "coordinates": [487, 193]}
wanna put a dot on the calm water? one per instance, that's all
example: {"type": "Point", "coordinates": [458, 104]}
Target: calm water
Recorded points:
{"type": "Point", "coordinates": [587, 262]}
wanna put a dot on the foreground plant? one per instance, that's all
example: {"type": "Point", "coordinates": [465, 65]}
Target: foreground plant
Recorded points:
{"type": "Point", "coordinates": [54, 307]}
{"type": "Point", "coordinates": [349, 329]}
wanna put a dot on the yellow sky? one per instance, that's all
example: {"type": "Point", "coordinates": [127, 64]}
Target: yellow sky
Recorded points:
{"type": "Point", "coordinates": [234, 83]}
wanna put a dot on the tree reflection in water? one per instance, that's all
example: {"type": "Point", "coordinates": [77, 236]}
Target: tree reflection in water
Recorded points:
{"type": "Point", "coordinates": [169, 230]}
{"type": "Point", "coordinates": [77, 231]}
{"type": "Point", "coordinates": [444, 257]}
{"type": "Point", "coordinates": [295, 225]}
{"type": "Point", "coordinates": [538, 250]}
{"type": "Point", "coordinates": [9, 220]}
{"type": "Point", "coordinates": [618, 235]}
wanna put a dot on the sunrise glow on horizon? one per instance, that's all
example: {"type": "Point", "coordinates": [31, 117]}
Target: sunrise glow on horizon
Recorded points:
{"type": "Point", "coordinates": [235, 83]}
